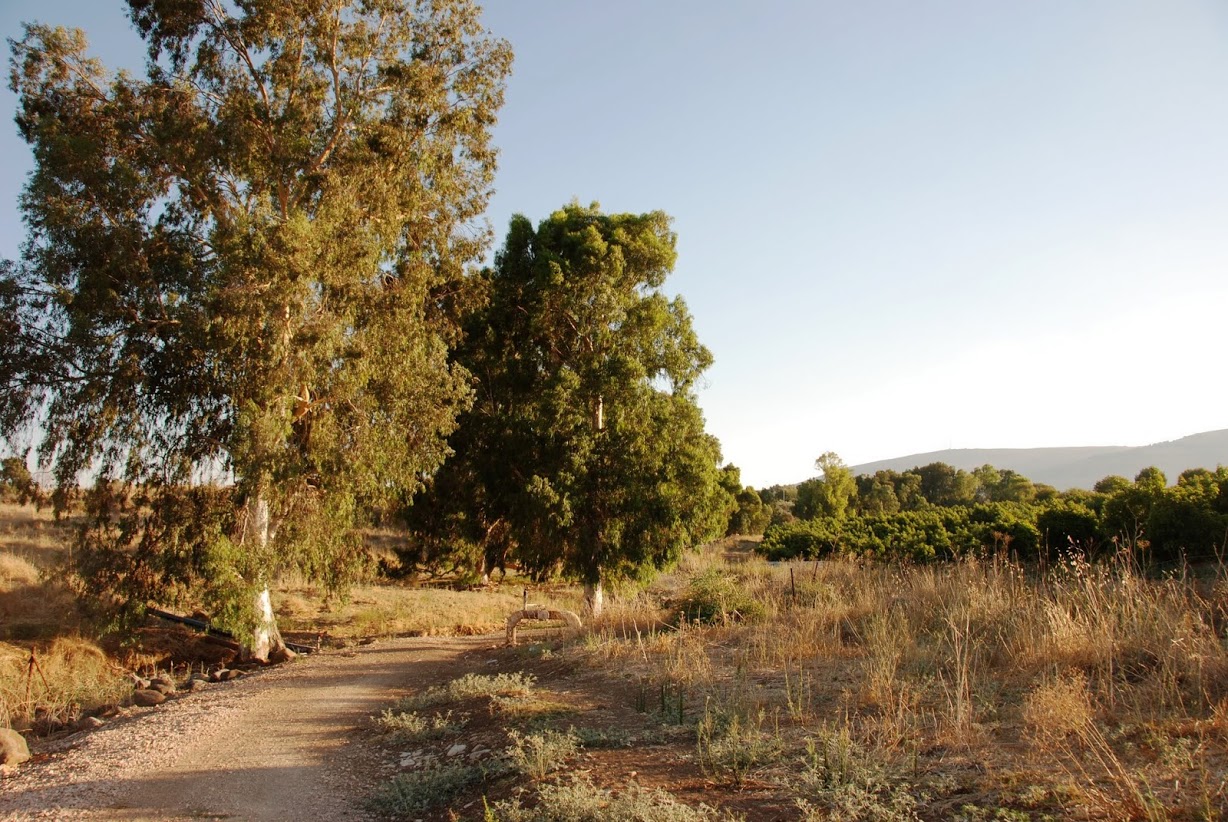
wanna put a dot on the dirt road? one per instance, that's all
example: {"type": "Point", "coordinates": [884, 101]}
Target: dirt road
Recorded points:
{"type": "Point", "coordinates": [286, 743]}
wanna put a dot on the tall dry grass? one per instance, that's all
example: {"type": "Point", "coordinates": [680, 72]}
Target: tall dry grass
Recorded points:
{"type": "Point", "coordinates": [1101, 691]}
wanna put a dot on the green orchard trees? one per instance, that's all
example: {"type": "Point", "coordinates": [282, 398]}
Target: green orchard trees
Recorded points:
{"type": "Point", "coordinates": [250, 261]}
{"type": "Point", "coordinates": [828, 495]}
{"type": "Point", "coordinates": [585, 446]}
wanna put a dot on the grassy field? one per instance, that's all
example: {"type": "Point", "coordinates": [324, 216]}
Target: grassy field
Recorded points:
{"type": "Point", "coordinates": [974, 691]}
{"type": "Point", "coordinates": [733, 688]}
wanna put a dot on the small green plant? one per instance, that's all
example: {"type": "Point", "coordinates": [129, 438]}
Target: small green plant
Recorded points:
{"type": "Point", "coordinates": [581, 801]}
{"type": "Point", "coordinates": [468, 687]}
{"type": "Point", "coordinates": [718, 596]}
{"type": "Point", "coordinates": [841, 783]}
{"type": "Point", "coordinates": [731, 745]}
{"type": "Point", "coordinates": [595, 738]}
{"type": "Point", "coordinates": [833, 758]}
{"type": "Point", "coordinates": [538, 754]}
{"type": "Point", "coordinates": [858, 803]}
{"type": "Point", "coordinates": [413, 727]}
{"type": "Point", "coordinates": [417, 791]}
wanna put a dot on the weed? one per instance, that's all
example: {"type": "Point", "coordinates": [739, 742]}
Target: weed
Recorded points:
{"type": "Point", "coordinates": [467, 687]}
{"type": "Point", "coordinates": [731, 745]}
{"type": "Point", "coordinates": [538, 754]}
{"type": "Point", "coordinates": [412, 727]}
{"type": "Point", "coordinates": [529, 707]}
{"type": "Point", "coordinates": [418, 791]}
{"type": "Point", "coordinates": [595, 738]}
{"type": "Point", "coordinates": [579, 800]}
{"type": "Point", "coordinates": [1062, 720]}
{"type": "Point", "coordinates": [718, 596]}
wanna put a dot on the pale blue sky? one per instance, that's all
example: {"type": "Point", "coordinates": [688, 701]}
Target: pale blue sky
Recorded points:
{"type": "Point", "coordinates": [903, 226]}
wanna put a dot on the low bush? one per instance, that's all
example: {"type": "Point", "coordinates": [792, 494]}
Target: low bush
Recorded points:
{"type": "Point", "coordinates": [468, 687]}
{"type": "Point", "coordinates": [719, 596]}
{"type": "Point", "coordinates": [581, 801]}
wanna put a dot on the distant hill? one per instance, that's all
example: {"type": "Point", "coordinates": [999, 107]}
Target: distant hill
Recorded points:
{"type": "Point", "coordinates": [1077, 467]}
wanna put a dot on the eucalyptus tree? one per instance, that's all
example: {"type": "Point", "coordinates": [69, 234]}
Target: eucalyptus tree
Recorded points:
{"type": "Point", "coordinates": [251, 260]}
{"type": "Point", "coordinates": [585, 445]}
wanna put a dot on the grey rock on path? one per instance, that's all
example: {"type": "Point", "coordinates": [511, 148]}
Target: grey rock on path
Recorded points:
{"type": "Point", "coordinates": [282, 744]}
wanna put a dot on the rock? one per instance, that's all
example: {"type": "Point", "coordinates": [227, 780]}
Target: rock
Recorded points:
{"type": "Point", "coordinates": [281, 655]}
{"type": "Point", "coordinates": [457, 749]}
{"type": "Point", "coordinates": [163, 685]}
{"type": "Point", "coordinates": [195, 684]}
{"type": "Point", "coordinates": [218, 675]}
{"type": "Point", "coordinates": [230, 674]}
{"type": "Point", "coordinates": [89, 723]}
{"type": "Point", "coordinates": [139, 683]}
{"type": "Point", "coordinates": [13, 747]}
{"type": "Point", "coordinates": [148, 698]}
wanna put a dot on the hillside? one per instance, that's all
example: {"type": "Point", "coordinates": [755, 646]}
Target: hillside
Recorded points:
{"type": "Point", "coordinates": [1076, 467]}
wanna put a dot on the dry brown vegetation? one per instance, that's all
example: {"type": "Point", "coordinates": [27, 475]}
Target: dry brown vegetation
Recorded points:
{"type": "Point", "coordinates": [74, 674]}
{"type": "Point", "coordinates": [836, 690]}
{"type": "Point", "coordinates": [972, 691]}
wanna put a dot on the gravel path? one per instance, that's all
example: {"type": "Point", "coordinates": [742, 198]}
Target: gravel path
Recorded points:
{"type": "Point", "coordinates": [285, 743]}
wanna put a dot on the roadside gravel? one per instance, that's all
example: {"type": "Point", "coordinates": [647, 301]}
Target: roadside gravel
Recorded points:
{"type": "Point", "coordinates": [282, 743]}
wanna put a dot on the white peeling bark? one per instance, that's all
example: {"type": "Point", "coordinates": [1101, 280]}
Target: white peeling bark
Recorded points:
{"type": "Point", "coordinates": [594, 598]}
{"type": "Point", "coordinates": [266, 638]}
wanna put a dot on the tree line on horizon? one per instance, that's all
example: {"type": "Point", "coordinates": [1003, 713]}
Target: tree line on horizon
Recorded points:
{"type": "Point", "coordinates": [936, 511]}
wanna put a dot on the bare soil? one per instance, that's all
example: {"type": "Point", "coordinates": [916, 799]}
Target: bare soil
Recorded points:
{"type": "Point", "coordinates": [294, 742]}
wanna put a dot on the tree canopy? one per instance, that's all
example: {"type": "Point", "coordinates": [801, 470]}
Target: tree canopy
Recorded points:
{"type": "Point", "coordinates": [585, 440]}
{"type": "Point", "coordinates": [250, 261]}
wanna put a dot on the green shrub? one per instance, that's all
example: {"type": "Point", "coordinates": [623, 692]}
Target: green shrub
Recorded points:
{"type": "Point", "coordinates": [582, 801]}
{"type": "Point", "coordinates": [413, 727]}
{"type": "Point", "coordinates": [467, 687]}
{"type": "Point", "coordinates": [717, 596]}
{"type": "Point", "coordinates": [417, 791]}
{"type": "Point", "coordinates": [536, 755]}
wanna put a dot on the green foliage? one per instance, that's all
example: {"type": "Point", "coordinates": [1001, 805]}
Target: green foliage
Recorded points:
{"type": "Point", "coordinates": [1111, 484]}
{"type": "Point", "coordinates": [250, 263]}
{"type": "Point", "coordinates": [418, 791]}
{"type": "Point", "coordinates": [717, 596]}
{"type": "Point", "coordinates": [468, 687]}
{"type": "Point", "coordinates": [143, 543]}
{"type": "Point", "coordinates": [918, 536]}
{"type": "Point", "coordinates": [1189, 519]}
{"type": "Point", "coordinates": [829, 495]}
{"type": "Point", "coordinates": [751, 515]}
{"type": "Point", "coordinates": [800, 539]}
{"type": "Point", "coordinates": [585, 440]}
{"type": "Point", "coordinates": [16, 483]}
{"type": "Point", "coordinates": [579, 800]}
{"type": "Point", "coordinates": [1069, 525]}
{"type": "Point", "coordinates": [410, 726]}
{"type": "Point", "coordinates": [539, 754]}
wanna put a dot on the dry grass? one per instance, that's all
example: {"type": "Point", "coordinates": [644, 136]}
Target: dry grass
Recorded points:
{"type": "Point", "coordinates": [395, 610]}
{"type": "Point", "coordinates": [1088, 690]}
{"type": "Point", "coordinates": [68, 677]}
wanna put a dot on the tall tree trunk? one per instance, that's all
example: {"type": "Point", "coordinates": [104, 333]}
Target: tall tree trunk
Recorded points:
{"type": "Point", "coordinates": [266, 639]}
{"type": "Point", "coordinates": [594, 596]}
